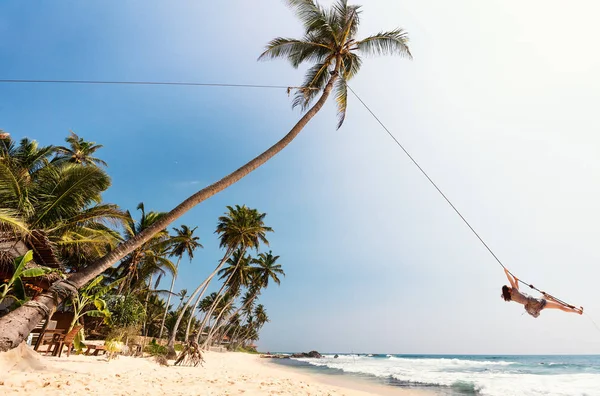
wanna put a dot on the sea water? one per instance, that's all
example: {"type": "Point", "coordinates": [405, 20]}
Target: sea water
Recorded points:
{"type": "Point", "coordinates": [453, 375]}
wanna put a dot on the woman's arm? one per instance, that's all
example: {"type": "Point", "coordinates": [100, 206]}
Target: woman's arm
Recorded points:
{"type": "Point", "coordinates": [514, 282]}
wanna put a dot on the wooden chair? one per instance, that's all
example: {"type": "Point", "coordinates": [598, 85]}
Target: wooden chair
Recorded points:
{"type": "Point", "coordinates": [43, 333]}
{"type": "Point", "coordinates": [61, 340]}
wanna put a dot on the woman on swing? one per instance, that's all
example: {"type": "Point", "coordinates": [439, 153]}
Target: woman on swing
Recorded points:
{"type": "Point", "coordinates": [533, 306]}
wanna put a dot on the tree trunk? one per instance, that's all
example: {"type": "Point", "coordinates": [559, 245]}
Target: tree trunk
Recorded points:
{"type": "Point", "coordinates": [215, 326]}
{"type": "Point", "coordinates": [220, 294]}
{"type": "Point", "coordinates": [193, 312]}
{"type": "Point", "coordinates": [250, 301]}
{"type": "Point", "coordinates": [15, 326]}
{"type": "Point", "coordinates": [162, 324]}
{"type": "Point", "coordinates": [171, 343]}
{"type": "Point", "coordinates": [145, 327]}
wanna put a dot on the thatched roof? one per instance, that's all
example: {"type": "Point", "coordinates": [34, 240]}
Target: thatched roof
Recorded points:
{"type": "Point", "coordinates": [13, 245]}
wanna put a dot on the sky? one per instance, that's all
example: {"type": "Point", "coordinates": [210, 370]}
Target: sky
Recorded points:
{"type": "Point", "coordinates": [498, 106]}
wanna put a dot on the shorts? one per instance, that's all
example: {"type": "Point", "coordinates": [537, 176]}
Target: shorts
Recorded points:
{"type": "Point", "coordinates": [534, 306]}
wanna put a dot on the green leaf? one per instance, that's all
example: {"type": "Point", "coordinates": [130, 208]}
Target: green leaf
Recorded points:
{"type": "Point", "coordinates": [18, 289]}
{"type": "Point", "coordinates": [78, 341]}
{"type": "Point", "coordinates": [94, 283]}
{"type": "Point", "coordinates": [96, 313]}
{"type": "Point", "coordinates": [34, 272]}
{"type": "Point", "coordinates": [20, 262]}
{"type": "Point", "coordinates": [12, 219]}
{"type": "Point", "coordinates": [100, 304]}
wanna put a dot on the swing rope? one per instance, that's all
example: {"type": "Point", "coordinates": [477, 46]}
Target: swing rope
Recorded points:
{"type": "Point", "coordinates": [558, 300]}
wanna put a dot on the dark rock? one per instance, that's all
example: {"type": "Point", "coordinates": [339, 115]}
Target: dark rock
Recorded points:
{"type": "Point", "coordinates": [336, 356]}
{"type": "Point", "coordinates": [311, 354]}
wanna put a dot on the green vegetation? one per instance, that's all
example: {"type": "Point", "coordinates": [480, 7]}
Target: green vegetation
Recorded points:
{"type": "Point", "coordinates": [126, 301]}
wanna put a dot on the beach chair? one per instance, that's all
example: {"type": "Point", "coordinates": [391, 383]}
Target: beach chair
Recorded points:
{"type": "Point", "coordinates": [43, 333]}
{"type": "Point", "coordinates": [61, 340]}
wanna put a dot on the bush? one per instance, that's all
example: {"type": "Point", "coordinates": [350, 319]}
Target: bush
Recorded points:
{"type": "Point", "coordinates": [246, 350]}
{"type": "Point", "coordinates": [125, 311]}
{"type": "Point", "coordinates": [155, 350]}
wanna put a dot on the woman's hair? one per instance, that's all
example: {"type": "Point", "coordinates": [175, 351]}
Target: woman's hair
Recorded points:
{"type": "Point", "coordinates": [506, 293]}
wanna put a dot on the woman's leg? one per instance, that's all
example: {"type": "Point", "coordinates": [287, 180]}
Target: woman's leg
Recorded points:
{"type": "Point", "coordinates": [555, 305]}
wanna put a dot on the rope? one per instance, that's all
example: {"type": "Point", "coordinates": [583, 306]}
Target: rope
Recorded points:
{"type": "Point", "coordinates": [63, 289]}
{"type": "Point", "coordinates": [39, 306]}
{"type": "Point", "coordinates": [592, 320]}
{"type": "Point", "coordinates": [450, 203]}
{"type": "Point", "coordinates": [177, 83]}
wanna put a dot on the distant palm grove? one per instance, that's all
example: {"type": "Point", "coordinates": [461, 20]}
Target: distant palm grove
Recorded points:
{"type": "Point", "coordinates": [54, 223]}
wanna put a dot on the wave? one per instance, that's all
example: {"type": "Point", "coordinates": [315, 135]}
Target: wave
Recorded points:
{"type": "Point", "coordinates": [473, 376]}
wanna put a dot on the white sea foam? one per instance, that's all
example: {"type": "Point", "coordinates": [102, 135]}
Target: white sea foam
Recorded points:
{"type": "Point", "coordinates": [490, 378]}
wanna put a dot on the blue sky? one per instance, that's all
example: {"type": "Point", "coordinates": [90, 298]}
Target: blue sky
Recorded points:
{"type": "Point", "coordinates": [498, 106]}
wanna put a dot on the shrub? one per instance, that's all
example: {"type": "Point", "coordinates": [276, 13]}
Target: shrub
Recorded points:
{"type": "Point", "coordinates": [155, 350]}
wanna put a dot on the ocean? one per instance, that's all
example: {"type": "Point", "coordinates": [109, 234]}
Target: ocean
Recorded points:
{"type": "Point", "coordinates": [453, 375]}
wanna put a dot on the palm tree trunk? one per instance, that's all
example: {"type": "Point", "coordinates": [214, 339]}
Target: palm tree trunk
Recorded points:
{"type": "Point", "coordinates": [145, 327]}
{"type": "Point", "coordinates": [171, 343]}
{"type": "Point", "coordinates": [220, 294]}
{"type": "Point", "coordinates": [17, 325]}
{"type": "Point", "coordinates": [217, 325]}
{"type": "Point", "coordinates": [250, 301]}
{"type": "Point", "coordinates": [162, 324]}
{"type": "Point", "coordinates": [193, 313]}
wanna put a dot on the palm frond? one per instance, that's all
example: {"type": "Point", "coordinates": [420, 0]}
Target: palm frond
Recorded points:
{"type": "Point", "coordinates": [394, 42]}
{"type": "Point", "coordinates": [315, 80]}
{"type": "Point", "coordinates": [296, 51]}
{"type": "Point", "coordinates": [313, 16]}
{"type": "Point", "coordinates": [102, 214]}
{"type": "Point", "coordinates": [13, 189]}
{"type": "Point", "coordinates": [70, 188]}
{"type": "Point", "coordinates": [348, 19]}
{"type": "Point", "coordinates": [341, 98]}
{"type": "Point", "coordinates": [10, 219]}
{"type": "Point", "coordinates": [351, 65]}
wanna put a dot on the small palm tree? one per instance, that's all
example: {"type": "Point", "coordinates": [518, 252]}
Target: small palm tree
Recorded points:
{"type": "Point", "coordinates": [238, 271]}
{"type": "Point", "coordinates": [267, 269]}
{"type": "Point", "coordinates": [79, 151]}
{"type": "Point", "coordinates": [140, 265]}
{"type": "Point", "coordinates": [184, 243]}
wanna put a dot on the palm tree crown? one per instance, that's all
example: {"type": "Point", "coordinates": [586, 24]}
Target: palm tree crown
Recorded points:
{"type": "Point", "coordinates": [330, 43]}
{"type": "Point", "coordinates": [242, 227]}
{"type": "Point", "coordinates": [184, 241]}
{"type": "Point", "coordinates": [79, 151]}
{"type": "Point", "coordinates": [267, 268]}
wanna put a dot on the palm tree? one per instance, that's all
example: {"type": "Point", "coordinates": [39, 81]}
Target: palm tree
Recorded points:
{"type": "Point", "coordinates": [62, 201]}
{"type": "Point", "coordinates": [186, 244]}
{"type": "Point", "coordinates": [330, 43]}
{"type": "Point", "coordinates": [239, 227]}
{"type": "Point", "coordinates": [79, 151]}
{"type": "Point", "coordinates": [238, 271]}
{"type": "Point", "coordinates": [242, 228]}
{"type": "Point", "coordinates": [265, 269]}
{"type": "Point", "coordinates": [139, 267]}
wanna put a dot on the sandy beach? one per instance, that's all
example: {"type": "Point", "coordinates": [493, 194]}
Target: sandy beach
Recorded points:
{"type": "Point", "coordinates": [23, 371]}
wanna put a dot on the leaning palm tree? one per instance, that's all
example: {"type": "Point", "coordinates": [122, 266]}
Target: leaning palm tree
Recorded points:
{"type": "Point", "coordinates": [186, 244]}
{"type": "Point", "coordinates": [331, 45]}
{"type": "Point", "coordinates": [79, 151]}
{"type": "Point", "coordinates": [265, 269]}
{"type": "Point", "coordinates": [239, 227]}
{"type": "Point", "coordinates": [243, 228]}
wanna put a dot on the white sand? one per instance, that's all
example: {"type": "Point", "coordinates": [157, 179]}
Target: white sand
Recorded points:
{"type": "Point", "coordinates": [24, 372]}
